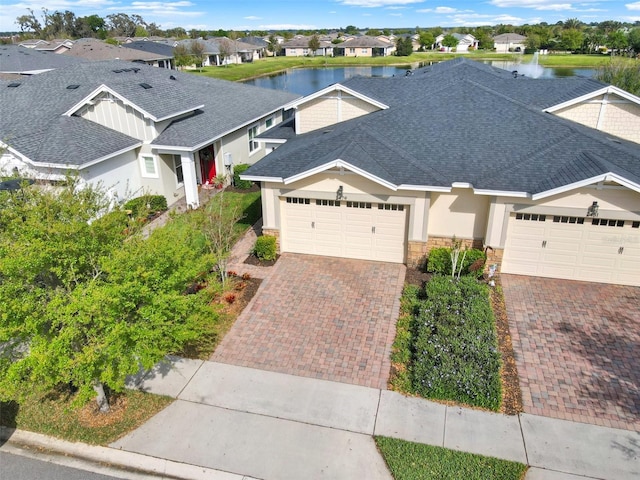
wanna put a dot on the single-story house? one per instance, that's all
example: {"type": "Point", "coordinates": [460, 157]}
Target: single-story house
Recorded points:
{"type": "Point", "coordinates": [133, 128]}
{"type": "Point", "coordinates": [93, 49]}
{"type": "Point", "coordinates": [158, 54]}
{"type": "Point", "coordinates": [465, 42]}
{"type": "Point", "coordinates": [364, 46]}
{"type": "Point", "coordinates": [223, 51]}
{"type": "Point", "coordinates": [299, 47]}
{"type": "Point", "coordinates": [543, 174]}
{"type": "Point", "coordinates": [509, 43]}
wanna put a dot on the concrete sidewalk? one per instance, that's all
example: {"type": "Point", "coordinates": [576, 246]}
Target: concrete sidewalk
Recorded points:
{"type": "Point", "coordinates": [276, 426]}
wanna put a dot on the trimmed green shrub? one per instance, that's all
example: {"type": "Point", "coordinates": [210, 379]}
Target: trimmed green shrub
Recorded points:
{"type": "Point", "coordinates": [455, 354]}
{"type": "Point", "coordinates": [241, 184]}
{"type": "Point", "coordinates": [265, 247]}
{"type": "Point", "coordinates": [439, 261]}
{"type": "Point", "coordinates": [146, 204]}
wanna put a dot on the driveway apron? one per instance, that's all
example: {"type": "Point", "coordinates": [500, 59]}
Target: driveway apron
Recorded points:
{"type": "Point", "coordinates": [320, 317]}
{"type": "Point", "coordinates": [576, 346]}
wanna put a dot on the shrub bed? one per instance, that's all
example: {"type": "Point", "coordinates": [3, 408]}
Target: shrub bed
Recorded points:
{"type": "Point", "coordinates": [237, 182]}
{"type": "Point", "coordinates": [146, 204]}
{"type": "Point", "coordinates": [265, 247]}
{"type": "Point", "coordinates": [439, 261]}
{"type": "Point", "coordinates": [454, 354]}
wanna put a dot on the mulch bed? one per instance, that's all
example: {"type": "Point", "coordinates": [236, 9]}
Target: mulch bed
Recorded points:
{"type": "Point", "coordinates": [511, 393]}
{"type": "Point", "coordinates": [253, 260]}
{"type": "Point", "coordinates": [245, 289]}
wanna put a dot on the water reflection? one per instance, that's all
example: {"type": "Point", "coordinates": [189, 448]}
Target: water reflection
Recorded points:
{"type": "Point", "coordinates": [305, 81]}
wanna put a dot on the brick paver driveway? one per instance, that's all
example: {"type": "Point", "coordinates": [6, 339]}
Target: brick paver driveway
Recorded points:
{"type": "Point", "coordinates": [577, 347]}
{"type": "Point", "coordinates": [320, 317]}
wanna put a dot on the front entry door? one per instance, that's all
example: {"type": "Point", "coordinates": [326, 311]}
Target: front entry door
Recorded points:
{"type": "Point", "coordinates": [207, 164]}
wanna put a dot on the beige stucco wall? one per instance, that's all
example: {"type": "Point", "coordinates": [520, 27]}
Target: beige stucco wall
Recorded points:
{"type": "Point", "coordinates": [616, 202]}
{"type": "Point", "coordinates": [354, 187]}
{"type": "Point", "coordinates": [112, 113]}
{"type": "Point", "coordinates": [357, 51]}
{"type": "Point", "coordinates": [608, 113]}
{"type": "Point", "coordinates": [330, 109]}
{"type": "Point", "coordinates": [119, 175]}
{"type": "Point", "coordinates": [459, 213]}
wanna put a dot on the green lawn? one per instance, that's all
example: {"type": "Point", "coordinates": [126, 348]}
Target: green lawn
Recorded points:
{"type": "Point", "coordinates": [577, 61]}
{"type": "Point", "coordinates": [414, 461]}
{"type": "Point", "coordinates": [51, 414]}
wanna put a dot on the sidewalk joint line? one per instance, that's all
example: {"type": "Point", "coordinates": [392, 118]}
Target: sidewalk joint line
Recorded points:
{"type": "Point", "coordinates": [444, 425]}
{"type": "Point", "coordinates": [524, 442]}
{"type": "Point", "coordinates": [189, 380]}
{"type": "Point", "coordinates": [375, 419]}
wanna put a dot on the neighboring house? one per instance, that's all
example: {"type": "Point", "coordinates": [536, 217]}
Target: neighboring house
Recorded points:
{"type": "Point", "coordinates": [133, 128]}
{"type": "Point", "coordinates": [15, 59]}
{"type": "Point", "coordinates": [55, 46]}
{"type": "Point", "coordinates": [299, 47]}
{"type": "Point", "coordinates": [537, 172]}
{"type": "Point", "coordinates": [224, 51]}
{"type": "Point", "coordinates": [158, 54]}
{"type": "Point", "coordinates": [93, 50]}
{"type": "Point", "coordinates": [364, 46]}
{"type": "Point", "coordinates": [465, 42]}
{"type": "Point", "coordinates": [509, 42]}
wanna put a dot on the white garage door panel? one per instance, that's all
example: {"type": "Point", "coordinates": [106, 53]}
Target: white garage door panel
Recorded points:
{"type": "Point", "coordinates": [573, 250]}
{"type": "Point", "coordinates": [341, 231]}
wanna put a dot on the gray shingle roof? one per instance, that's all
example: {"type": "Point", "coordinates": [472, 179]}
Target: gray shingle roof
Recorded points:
{"type": "Point", "coordinates": [32, 118]}
{"type": "Point", "coordinates": [472, 125]}
{"type": "Point", "coordinates": [156, 49]}
{"type": "Point", "coordinates": [17, 59]}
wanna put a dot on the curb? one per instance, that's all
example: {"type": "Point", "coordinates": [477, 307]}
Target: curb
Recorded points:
{"type": "Point", "coordinates": [104, 460]}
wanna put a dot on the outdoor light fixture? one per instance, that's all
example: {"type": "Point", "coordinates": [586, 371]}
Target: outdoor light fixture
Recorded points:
{"type": "Point", "coordinates": [339, 195]}
{"type": "Point", "coordinates": [592, 211]}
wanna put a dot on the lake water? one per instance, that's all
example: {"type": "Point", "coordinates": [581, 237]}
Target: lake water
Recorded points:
{"type": "Point", "coordinates": [305, 81]}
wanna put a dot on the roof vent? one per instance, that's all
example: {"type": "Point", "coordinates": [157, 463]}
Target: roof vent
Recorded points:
{"type": "Point", "coordinates": [171, 77]}
{"type": "Point", "coordinates": [146, 86]}
{"type": "Point", "coordinates": [14, 84]}
{"type": "Point", "coordinates": [72, 87]}
{"type": "Point", "coordinates": [135, 69]}
{"type": "Point", "coordinates": [116, 71]}
{"type": "Point", "coordinates": [126, 69]}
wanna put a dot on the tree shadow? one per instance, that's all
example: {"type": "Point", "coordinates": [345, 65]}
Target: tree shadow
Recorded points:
{"type": "Point", "coordinates": [612, 348]}
{"type": "Point", "coordinates": [8, 420]}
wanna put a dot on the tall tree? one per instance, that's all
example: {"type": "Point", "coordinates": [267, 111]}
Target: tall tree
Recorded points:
{"type": "Point", "coordinates": [314, 44]}
{"type": "Point", "coordinates": [449, 41]}
{"type": "Point", "coordinates": [427, 40]}
{"type": "Point", "coordinates": [84, 305]}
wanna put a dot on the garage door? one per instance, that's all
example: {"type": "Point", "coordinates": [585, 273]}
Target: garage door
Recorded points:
{"type": "Point", "coordinates": [592, 249]}
{"type": "Point", "coordinates": [371, 231]}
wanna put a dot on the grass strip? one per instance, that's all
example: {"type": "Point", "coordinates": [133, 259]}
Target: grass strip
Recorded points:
{"type": "Point", "coordinates": [415, 461]}
{"type": "Point", "coordinates": [52, 414]}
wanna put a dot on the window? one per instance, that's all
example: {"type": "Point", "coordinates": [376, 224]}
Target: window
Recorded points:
{"type": "Point", "coordinates": [328, 203]}
{"type": "Point", "coordinates": [533, 217]}
{"type": "Point", "coordinates": [177, 168]}
{"type": "Point", "coordinates": [364, 50]}
{"type": "Point", "coordinates": [391, 206]}
{"type": "Point", "coordinates": [604, 222]}
{"type": "Point", "coordinates": [358, 205]}
{"type": "Point", "coordinates": [301, 201]}
{"type": "Point", "coordinates": [254, 145]}
{"type": "Point", "coordinates": [305, 51]}
{"type": "Point", "coordinates": [563, 219]}
{"type": "Point", "coordinates": [149, 166]}
{"type": "Point", "coordinates": [269, 122]}
{"type": "Point", "coordinates": [352, 50]}
{"type": "Point", "coordinates": [635, 225]}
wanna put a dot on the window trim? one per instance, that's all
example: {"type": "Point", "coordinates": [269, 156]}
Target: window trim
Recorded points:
{"type": "Point", "coordinates": [252, 139]}
{"type": "Point", "coordinates": [143, 166]}
{"type": "Point", "coordinates": [177, 162]}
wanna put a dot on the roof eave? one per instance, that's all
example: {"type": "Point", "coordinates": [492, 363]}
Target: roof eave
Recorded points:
{"type": "Point", "coordinates": [605, 177]}
{"type": "Point", "coordinates": [339, 163]}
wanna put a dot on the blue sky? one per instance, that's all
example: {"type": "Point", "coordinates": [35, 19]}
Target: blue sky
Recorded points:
{"type": "Point", "coordinates": [311, 14]}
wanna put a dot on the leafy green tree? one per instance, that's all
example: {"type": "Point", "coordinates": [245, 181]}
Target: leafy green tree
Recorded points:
{"type": "Point", "coordinates": [351, 29]}
{"type": "Point", "coordinates": [182, 55]}
{"type": "Point", "coordinates": [29, 23]}
{"type": "Point", "coordinates": [273, 46]}
{"type": "Point", "coordinates": [571, 39]}
{"type": "Point", "coordinates": [404, 47]}
{"type": "Point", "coordinates": [314, 44]}
{"type": "Point", "coordinates": [449, 41]}
{"type": "Point", "coordinates": [617, 41]}
{"type": "Point", "coordinates": [83, 304]}
{"type": "Point", "coordinates": [427, 40]}
{"type": "Point", "coordinates": [634, 40]}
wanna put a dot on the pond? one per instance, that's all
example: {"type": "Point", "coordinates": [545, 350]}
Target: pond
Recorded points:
{"type": "Point", "coordinates": [305, 81]}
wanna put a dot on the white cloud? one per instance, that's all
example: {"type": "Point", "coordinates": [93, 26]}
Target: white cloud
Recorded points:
{"type": "Point", "coordinates": [633, 6]}
{"type": "Point", "coordinates": [159, 9]}
{"type": "Point", "coordinates": [443, 10]}
{"type": "Point", "coordinates": [377, 3]}
{"type": "Point", "coordinates": [252, 17]}
{"type": "Point", "coordinates": [476, 19]}
{"type": "Point", "coordinates": [286, 26]}
{"type": "Point", "coordinates": [556, 7]}
{"type": "Point", "coordinates": [333, 12]}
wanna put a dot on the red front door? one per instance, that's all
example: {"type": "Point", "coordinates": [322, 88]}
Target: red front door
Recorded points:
{"type": "Point", "coordinates": [207, 164]}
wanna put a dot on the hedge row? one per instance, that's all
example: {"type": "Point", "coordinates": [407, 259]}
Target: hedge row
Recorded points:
{"type": "Point", "coordinates": [455, 354]}
{"type": "Point", "coordinates": [439, 261]}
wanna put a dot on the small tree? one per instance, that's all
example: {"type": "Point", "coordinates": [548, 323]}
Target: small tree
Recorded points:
{"type": "Point", "coordinates": [182, 55]}
{"type": "Point", "coordinates": [196, 50]}
{"type": "Point", "coordinates": [404, 47]}
{"type": "Point", "coordinates": [426, 40]}
{"type": "Point", "coordinates": [274, 46]}
{"type": "Point", "coordinates": [449, 41]}
{"type": "Point", "coordinates": [226, 49]}
{"type": "Point", "coordinates": [314, 44]}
